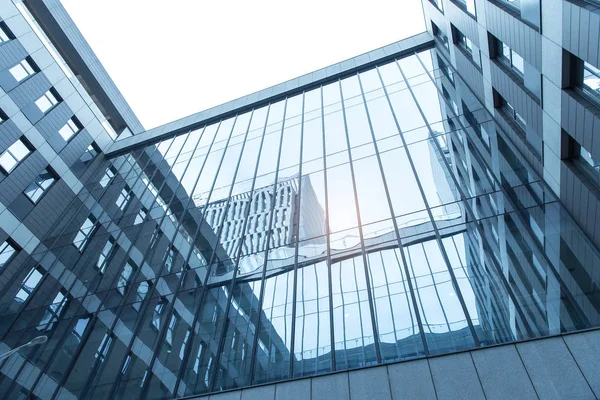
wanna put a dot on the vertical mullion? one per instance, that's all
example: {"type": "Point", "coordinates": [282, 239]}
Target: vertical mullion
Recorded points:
{"type": "Point", "coordinates": [327, 234]}
{"type": "Point", "coordinates": [478, 227]}
{"type": "Point", "coordinates": [437, 233]}
{"type": "Point", "coordinates": [267, 247]}
{"type": "Point", "coordinates": [214, 367]}
{"type": "Point", "coordinates": [297, 224]}
{"type": "Point", "coordinates": [389, 201]}
{"type": "Point", "coordinates": [362, 241]}
{"type": "Point", "coordinates": [171, 306]}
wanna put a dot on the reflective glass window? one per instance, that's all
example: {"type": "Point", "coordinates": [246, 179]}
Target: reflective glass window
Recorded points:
{"type": "Point", "coordinates": [24, 69]}
{"type": "Point", "coordinates": [48, 100]}
{"type": "Point", "coordinates": [40, 185]}
{"type": "Point", "coordinates": [7, 250]}
{"type": "Point", "coordinates": [85, 232]}
{"type": "Point", "coordinates": [12, 156]}
{"type": "Point", "coordinates": [70, 129]}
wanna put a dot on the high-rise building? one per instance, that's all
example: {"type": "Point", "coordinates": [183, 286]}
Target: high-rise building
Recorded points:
{"type": "Point", "coordinates": [415, 222]}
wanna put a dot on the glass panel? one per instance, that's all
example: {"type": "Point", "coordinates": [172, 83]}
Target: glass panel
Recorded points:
{"type": "Point", "coordinates": [353, 331]}
{"type": "Point", "coordinates": [444, 321]}
{"type": "Point", "coordinates": [235, 360]}
{"type": "Point", "coordinates": [273, 360]}
{"type": "Point", "coordinates": [312, 341]}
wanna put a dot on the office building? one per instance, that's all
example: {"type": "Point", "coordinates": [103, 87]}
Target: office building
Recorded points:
{"type": "Point", "coordinates": [415, 222]}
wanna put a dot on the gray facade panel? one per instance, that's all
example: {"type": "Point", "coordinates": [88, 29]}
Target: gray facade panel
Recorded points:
{"type": "Point", "coordinates": [455, 377]}
{"type": "Point", "coordinates": [502, 374]}
{"type": "Point", "coordinates": [553, 370]}
{"type": "Point", "coordinates": [330, 387]}
{"type": "Point", "coordinates": [411, 381]}
{"type": "Point", "coordinates": [293, 390]}
{"type": "Point", "coordinates": [370, 384]}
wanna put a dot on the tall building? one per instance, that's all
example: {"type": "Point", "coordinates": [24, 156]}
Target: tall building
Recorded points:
{"type": "Point", "coordinates": [415, 222]}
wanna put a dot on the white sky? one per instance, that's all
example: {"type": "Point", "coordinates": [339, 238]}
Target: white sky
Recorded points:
{"type": "Point", "coordinates": [173, 58]}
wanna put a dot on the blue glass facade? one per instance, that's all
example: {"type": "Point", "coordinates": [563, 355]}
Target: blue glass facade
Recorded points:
{"type": "Point", "coordinates": [378, 215]}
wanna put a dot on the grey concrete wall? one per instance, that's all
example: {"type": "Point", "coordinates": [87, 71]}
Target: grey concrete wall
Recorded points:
{"type": "Point", "coordinates": [556, 368]}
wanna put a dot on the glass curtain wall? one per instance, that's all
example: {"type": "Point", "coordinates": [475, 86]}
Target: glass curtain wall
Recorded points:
{"type": "Point", "coordinates": [376, 218]}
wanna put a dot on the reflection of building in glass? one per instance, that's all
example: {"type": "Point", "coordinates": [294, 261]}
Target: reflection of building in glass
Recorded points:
{"type": "Point", "coordinates": [416, 201]}
{"type": "Point", "coordinates": [282, 204]}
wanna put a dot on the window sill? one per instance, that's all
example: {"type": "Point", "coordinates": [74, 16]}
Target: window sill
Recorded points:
{"type": "Point", "coordinates": [592, 98]}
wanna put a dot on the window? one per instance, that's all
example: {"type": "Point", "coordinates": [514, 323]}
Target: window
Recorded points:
{"type": "Point", "coordinates": [40, 185]}
{"type": "Point", "coordinates": [105, 255]}
{"type": "Point", "coordinates": [467, 5]}
{"type": "Point", "coordinates": [158, 309]}
{"type": "Point", "coordinates": [467, 46]}
{"type": "Point", "coordinates": [155, 235]}
{"type": "Point", "coordinates": [72, 127]}
{"type": "Point", "coordinates": [91, 153]}
{"type": "Point", "coordinates": [48, 100]}
{"type": "Point", "coordinates": [513, 114]}
{"type": "Point", "coordinates": [108, 176]}
{"type": "Point", "coordinates": [7, 250]}
{"type": "Point", "coordinates": [29, 284]}
{"type": "Point", "coordinates": [511, 59]}
{"type": "Point", "coordinates": [171, 329]}
{"type": "Point", "coordinates": [124, 198]}
{"type": "Point", "coordinates": [126, 364]}
{"type": "Point", "coordinates": [591, 80]}
{"type": "Point", "coordinates": [438, 4]}
{"type": "Point", "coordinates": [14, 155]}
{"type": "Point", "coordinates": [589, 165]}
{"type": "Point", "coordinates": [140, 217]}
{"type": "Point", "coordinates": [184, 344]}
{"type": "Point", "coordinates": [446, 70]}
{"type": "Point", "coordinates": [126, 273]}
{"type": "Point", "coordinates": [24, 69]}
{"type": "Point", "coordinates": [169, 258]}
{"type": "Point", "coordinates": [85, 232]}
{"type": "Point", "coordinates": [79, 328]}
{"type": "Point", "coordinates": [516, 4]}
{"type": "Point", "coordinates": [103, 348]}
{"type": "Point", "coordinates": [440, 35]}
{"type": "Point", "coordinates": [3, 116]}
{"type": "Point", "coordinates": [142, 291]}
{"type": "Point", "coordinates": [5, 33]}
{"type": "Point", "coordinates": [53, 312]}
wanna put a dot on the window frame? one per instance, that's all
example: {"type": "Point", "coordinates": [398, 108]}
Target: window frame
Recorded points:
{"type": "Point", "coordinates": [92, 147]}
{"type": "Point", "coordinates": [39, 186]}
{"type": "Point", "coordinates": [86, 236]}
{"type": "Point", "coordinates": [27, 69]}
{"type": "Point", "coordinates": [508, 60]}
{"type": "Point", "coordinates": [53, 312]}
{"type": "Point", "coordinates": [30, 289]}
{"type": "Point", "coordinates": [466, 46]}
{"type": "Point", "coordinates": [4, 29]}
{"type": "Point", "coordinates": [49, 95]}
{"type": "Point", "coordinates": [8, 243]}
{"type": "Point", "coordinates": [440, 35]}
{"type": "Point", "coordinates": [464, 5]}
{"type": "Point", "coordinates": [26, 144]}
{"type": "Point", "coordinates": [102, 264]}
{"type": "Point", "coordinates": [590, 93]}
{"type": "Point", "coordinates": [124, 198]}
{"type": "Point", "coordinates": [123, 281]}
{"type": "Point", "coordinates": [73, 125]}
{"type": "Point", "coordinates": [108, 181]}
